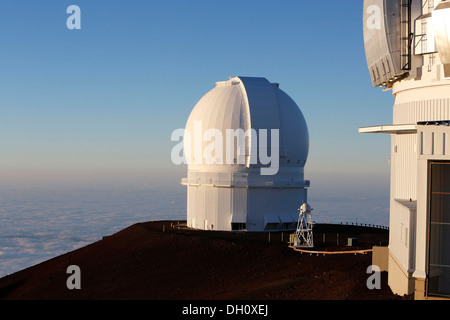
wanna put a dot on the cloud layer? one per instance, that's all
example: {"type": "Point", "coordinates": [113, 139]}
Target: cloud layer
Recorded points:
{"type": "Point", "coordinates": [41, 221]}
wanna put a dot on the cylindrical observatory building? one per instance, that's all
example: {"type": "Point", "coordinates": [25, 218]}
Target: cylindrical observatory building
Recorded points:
{"type": "Point", "coordinates": [408, 51]}
{"type": "Point", "coordinates": [246, 144]}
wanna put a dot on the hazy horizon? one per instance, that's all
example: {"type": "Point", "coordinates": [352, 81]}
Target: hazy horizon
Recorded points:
{"type": "Point", "coordinates": [86, 116]}
{"type": "Point", "coordinates": [42, 219]}
{"type": "Point", "coordinates": [105, 99]}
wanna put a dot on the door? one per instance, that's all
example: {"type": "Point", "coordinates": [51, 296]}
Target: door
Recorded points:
{"type": "Point", "coordinates": [438, 282]}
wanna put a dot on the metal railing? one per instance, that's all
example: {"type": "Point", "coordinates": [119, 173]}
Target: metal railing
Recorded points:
{"type": "Point", "coordinates": [356, 224]}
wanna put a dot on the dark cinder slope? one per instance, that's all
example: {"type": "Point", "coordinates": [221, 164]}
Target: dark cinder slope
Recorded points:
{"type": "Point", "coordinates": [143, 262]}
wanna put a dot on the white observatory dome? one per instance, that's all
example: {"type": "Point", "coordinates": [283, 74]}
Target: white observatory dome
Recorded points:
{"type": "Point", "coordinates": [252, 103]}
{"type": "Point", "coordinates": [230, 190]}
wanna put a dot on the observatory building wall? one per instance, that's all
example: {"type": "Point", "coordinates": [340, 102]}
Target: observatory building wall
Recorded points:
{"type": "Point", "coordinates": [419, 247]}
{"type": "Point", "coordinates": [261, 185]}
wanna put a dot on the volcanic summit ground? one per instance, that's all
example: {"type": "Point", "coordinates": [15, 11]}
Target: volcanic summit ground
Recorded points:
{"type": "Point", "coordinates": [155, 261]}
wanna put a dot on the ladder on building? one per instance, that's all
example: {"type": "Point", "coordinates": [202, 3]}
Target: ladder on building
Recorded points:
{"type": "Point", "coordinates": [406, 35]}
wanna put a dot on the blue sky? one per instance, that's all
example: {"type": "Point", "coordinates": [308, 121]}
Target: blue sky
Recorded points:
{"type": "Point", "coordinates": [105, 99]}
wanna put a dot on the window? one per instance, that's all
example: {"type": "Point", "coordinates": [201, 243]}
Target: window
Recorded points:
{"type": "Point", "coordinates": [238, 226]}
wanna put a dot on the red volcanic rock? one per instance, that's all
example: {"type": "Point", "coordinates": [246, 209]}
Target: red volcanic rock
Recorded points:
{"type": "Point", "coordinates": [154, 261]}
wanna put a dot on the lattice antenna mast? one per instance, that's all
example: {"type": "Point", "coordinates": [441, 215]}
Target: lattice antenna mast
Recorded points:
{"type": "Point", "coordinates": [304, 234]}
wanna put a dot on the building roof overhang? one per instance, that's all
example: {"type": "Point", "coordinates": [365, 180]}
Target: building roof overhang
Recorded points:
{"type": "Point", "coordinates": [390, 129]}
{"type": "Point", "coordinates": [403, 128]}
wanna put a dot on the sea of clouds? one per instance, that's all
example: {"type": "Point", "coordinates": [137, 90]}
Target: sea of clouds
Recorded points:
{"type": "Point", "coordinates": [39, 222]}
{"type": "Point", "coordinates": [42, 221]}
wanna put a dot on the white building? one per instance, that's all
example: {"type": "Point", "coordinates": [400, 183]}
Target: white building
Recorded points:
{"type": "Point", "coordinates": [249, 186]}
{"type": "Point", "coordinates": [408, 51]}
